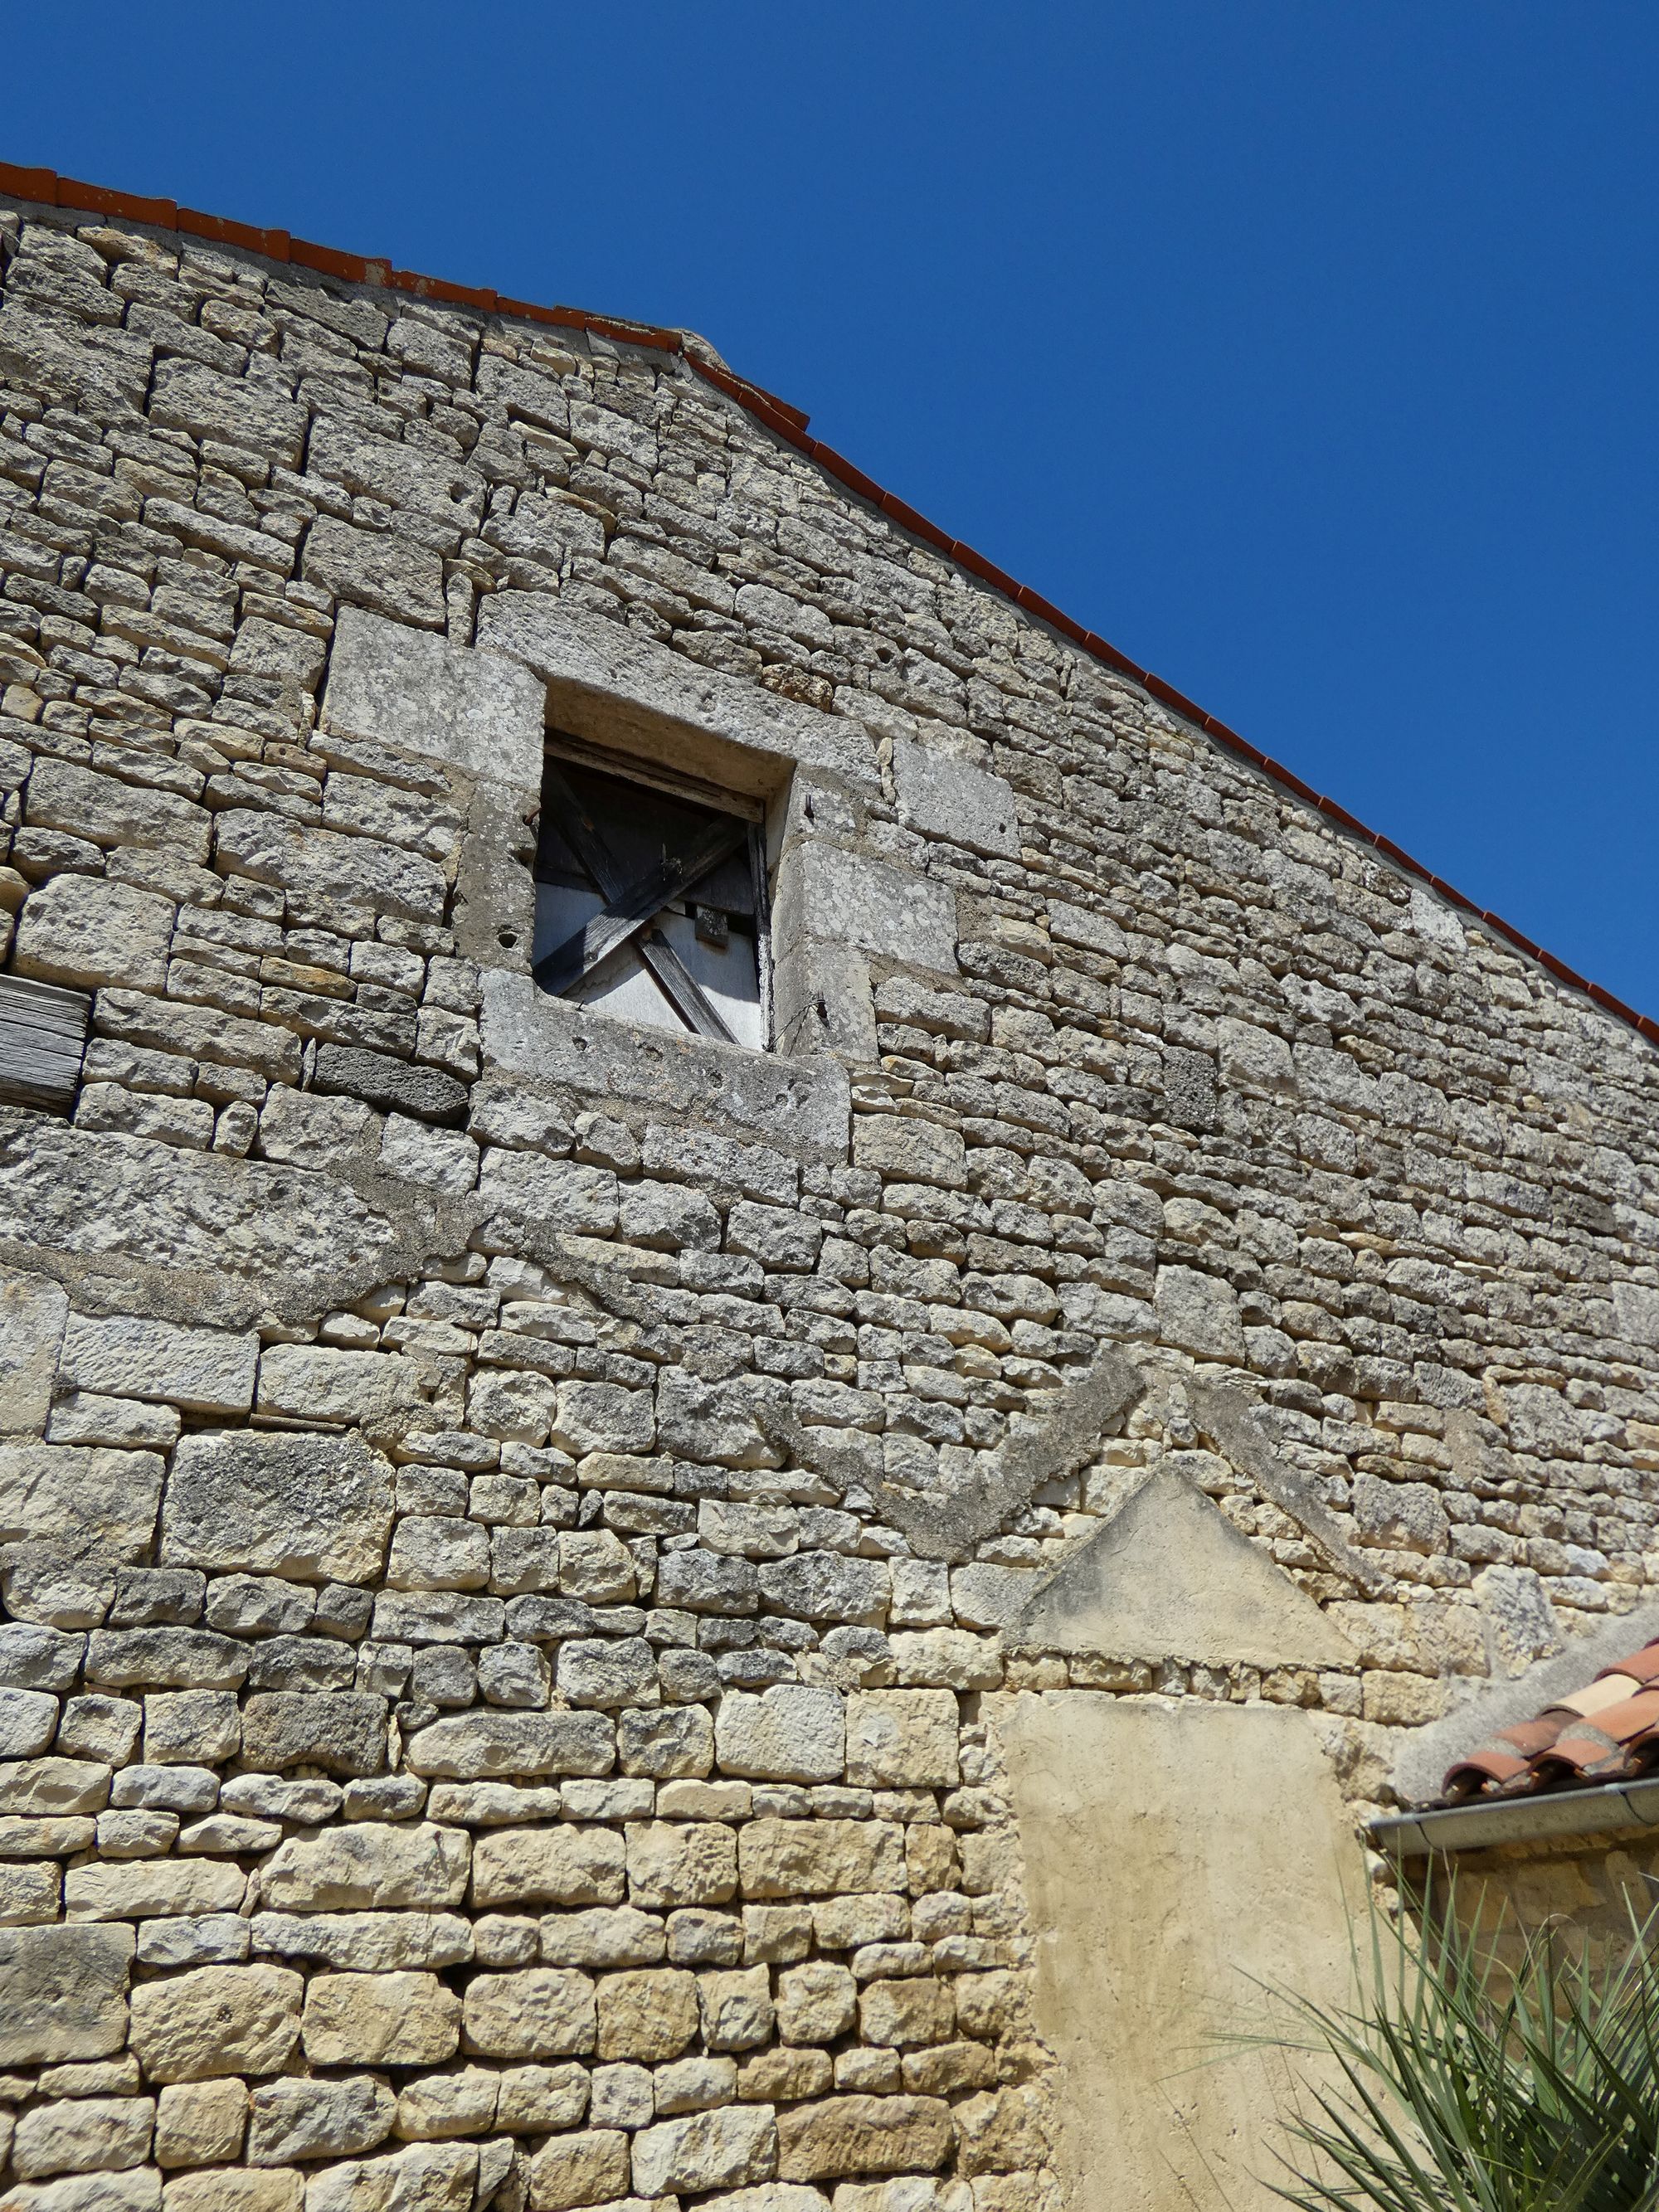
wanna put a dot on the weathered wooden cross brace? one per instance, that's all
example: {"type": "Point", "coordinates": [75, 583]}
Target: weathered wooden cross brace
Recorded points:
{"type": "Point", "coordinates": [631, 908]}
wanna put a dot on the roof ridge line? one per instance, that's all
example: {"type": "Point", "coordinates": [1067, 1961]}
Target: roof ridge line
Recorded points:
{"type": "Point", "coordinates": [46, 188]}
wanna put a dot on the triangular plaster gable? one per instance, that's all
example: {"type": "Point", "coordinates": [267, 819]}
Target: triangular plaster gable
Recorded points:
{"type": "Point", "coordinates": [1169, 1577]}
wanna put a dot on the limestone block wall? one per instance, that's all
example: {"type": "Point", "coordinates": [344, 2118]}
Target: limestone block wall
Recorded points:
{"type": "Point", "coordinates": [508, 1523]}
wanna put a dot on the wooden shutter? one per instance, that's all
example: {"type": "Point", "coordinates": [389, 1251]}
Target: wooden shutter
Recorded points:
{"type": "Point", "coordinates": [43, 1040]}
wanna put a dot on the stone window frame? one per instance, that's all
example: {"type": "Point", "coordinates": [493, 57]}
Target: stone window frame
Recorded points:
{"type": "Point", "coordinates": [544, 662]}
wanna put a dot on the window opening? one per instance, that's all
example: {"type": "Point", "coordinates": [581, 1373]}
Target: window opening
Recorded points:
{"type": "Point", "coordinates": [650, 902]}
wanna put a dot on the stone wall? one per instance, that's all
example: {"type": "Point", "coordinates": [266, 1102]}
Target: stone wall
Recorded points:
{"type": "Point", "coordinates": [508, 1520]}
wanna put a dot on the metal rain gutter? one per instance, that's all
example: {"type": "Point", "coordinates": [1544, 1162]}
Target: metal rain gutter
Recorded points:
{"type": "Point", "coordinates": [1476, 1827]}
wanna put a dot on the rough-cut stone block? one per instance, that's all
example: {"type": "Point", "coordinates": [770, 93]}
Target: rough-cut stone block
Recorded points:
{"type": "Point", "coordinates": [368, 1942]}
{"type": "Point", "coordinates": [164, 1658]}
{"type": "Point", "coordinates": [674, 1863]}
{"type": "Point", "coordinates": [373, 568]}
{"type": "Point", "coordinates": [79, 1494]}
{"type": "Point", "coordinates": [720, 2149]}
{"type": "Point", "coordinates": [45, 1788]}
{"type": "Point", "coordinates": [46, 354]}
{"type": "Point", "coordinates": [63, 1993]}
{"type": "Point", "coordinates": [189, 396]}
{"type": "Point", "coordinates": [607, 1673]}
{"type": "Point", "coordinates": [564, 1865]}
{"type": "Point", "coordinates": [787, 1734]}
{"type": "Point", "coordinates": [944, 797]}
{"type": "Point", "coordinates": [323, 863]}
{"type": "Point", "coordinates": [425, 2178]}
{"type": "Point", "coordinates": [218, 2020]}
{"type": "Point", "coordinates": [545, 2012]}
{"type": "Point", "coordinates": [473, 711]}
{"type": "Point", "coordinates": [913, 1151]}
{"type": "Point", "coordinates": [1199, 1313]}
{"type": "Point", "coordinates": [32, 1312]}
{"type": "Point", "coordinates": [601, 1937]}
{"type": "Point", "coordinates": [396, 1087]}
{"type": "Point", "coordinates": [106, 812]}
{"type": "Point", "coordinates": [28, 1721]}
{"type": "Point", "coordinates": [796, 2197]}
{"type": "Point", "coordinates": [590, 2168]}
{"type": "Point", "coordinates": [532, 2099]}
{"type": "Point", "coordinates": [301, 2119]}
{"type": "Point", "coordinates": [198, 2122]}
{"type": "Point", "coordinates": [816, 2002]}
{"type": "Point", "coordinates": [367, 1866]}
{"type": "Point", "coordinates": [667, 1745]}
{"type": "Point", "coordinates": [136, 1889]}
{"type": "Point", "coordinates": [863, 2135]}
{"type": "Point", "coordinates": [204, 1370]}
{"type": "Point", "coordinates": [820, 1858]}
{"type": "Point", "coordinates": [84, 930]}
{"type": "Point", "coordinates": [470, 1748]}
{"type": "Point", "coordinates": [380, 2019]}
{"type": "Point", "coordinates": [649, 2015]}
{"type": "Point", "coordinates": [83, 2134]}
{"type": "Point", "coordinates": [434, 2106]}
{"type": "Point", "coordinates": [236, 2189]}
{"type": "Point", "coordinates": [736, 2008]}
{"type": "Point", "coordinates": [907, 2011]}
{"type": "Point", "coordinates": [325, 1382]}
{"type": "Point", "coordinates": [902, 1738]}
{"type": "Point", "coordinates": [317, 1508]}
{"type": "Point", "coordinates": [344, 1732]}
{"type": "Point", "coordinates": [32, 1657]}
{"type": "Point", "coordinates": [603, 1417]}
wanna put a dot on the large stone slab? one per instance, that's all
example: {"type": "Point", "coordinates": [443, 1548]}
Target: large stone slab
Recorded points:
{"type": "Point", "coordinates": [208, 1371]}
{"type": "Point", "coordinates": [607, 683]}
{"type": "Point", "coordinates": [799, 1104]}
{"type": "Point", "coordinates": [473, 711]}
{"type": "Point", "coordinates": [828, 893]}
{"type": "Point", "coordinates": [197, 1238]}
{"type": "Point", "coordinates": [1179, 1858]}
{"type": "Point", "coordinates": [315, 1508]}
{"type": "Point", "coordinates": [944, 797]}
{"type": "Point", "coordinates": [1169, 1577]}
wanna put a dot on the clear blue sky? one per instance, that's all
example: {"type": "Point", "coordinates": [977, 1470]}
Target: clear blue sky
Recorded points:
{"type": "Point", "coordinates": [1305, 350]}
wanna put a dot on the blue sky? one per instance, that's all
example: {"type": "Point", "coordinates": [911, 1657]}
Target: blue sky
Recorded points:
{"type": "Point", "coordinates": [1305, 350]}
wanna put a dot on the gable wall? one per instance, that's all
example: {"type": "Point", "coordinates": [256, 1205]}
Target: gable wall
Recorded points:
{"type": "Point", "coordinates": [1184, 1132]}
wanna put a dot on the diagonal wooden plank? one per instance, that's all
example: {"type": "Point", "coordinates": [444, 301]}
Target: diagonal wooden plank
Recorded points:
{"type": "Point", "coordinates": [630, 909]}
{"type": "Point", "coordinates": [585, 837]}
{"type": "Point", "coordinates": [649, 894]}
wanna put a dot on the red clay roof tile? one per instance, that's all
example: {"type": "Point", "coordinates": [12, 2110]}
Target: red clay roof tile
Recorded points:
{"type": "Point", "coordinates": [1609, 1731]}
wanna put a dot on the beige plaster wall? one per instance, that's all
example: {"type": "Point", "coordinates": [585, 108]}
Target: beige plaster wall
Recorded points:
{"type": "Point", "coordinates": [1176, 1855]}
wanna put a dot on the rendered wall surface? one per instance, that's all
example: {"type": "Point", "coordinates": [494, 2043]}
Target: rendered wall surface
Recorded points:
{"type": "Point", "coordinates": [1172, 1886]}
{"type": "Point", "coordinates": [506, 1520]}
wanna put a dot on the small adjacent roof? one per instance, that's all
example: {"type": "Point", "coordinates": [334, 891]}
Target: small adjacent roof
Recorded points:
{"type": "Point", "coordinates": [1606, 1732]}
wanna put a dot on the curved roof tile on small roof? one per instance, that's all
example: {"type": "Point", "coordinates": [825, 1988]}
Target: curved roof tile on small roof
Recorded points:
{"type": "Point", "coordinates": [1609, 1731]}
{"type": "Point", "coordinates": [46, 188]}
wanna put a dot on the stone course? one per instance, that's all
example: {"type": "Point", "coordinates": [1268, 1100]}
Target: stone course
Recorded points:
{"type": "Point", "coordinates": [507, 1521]}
